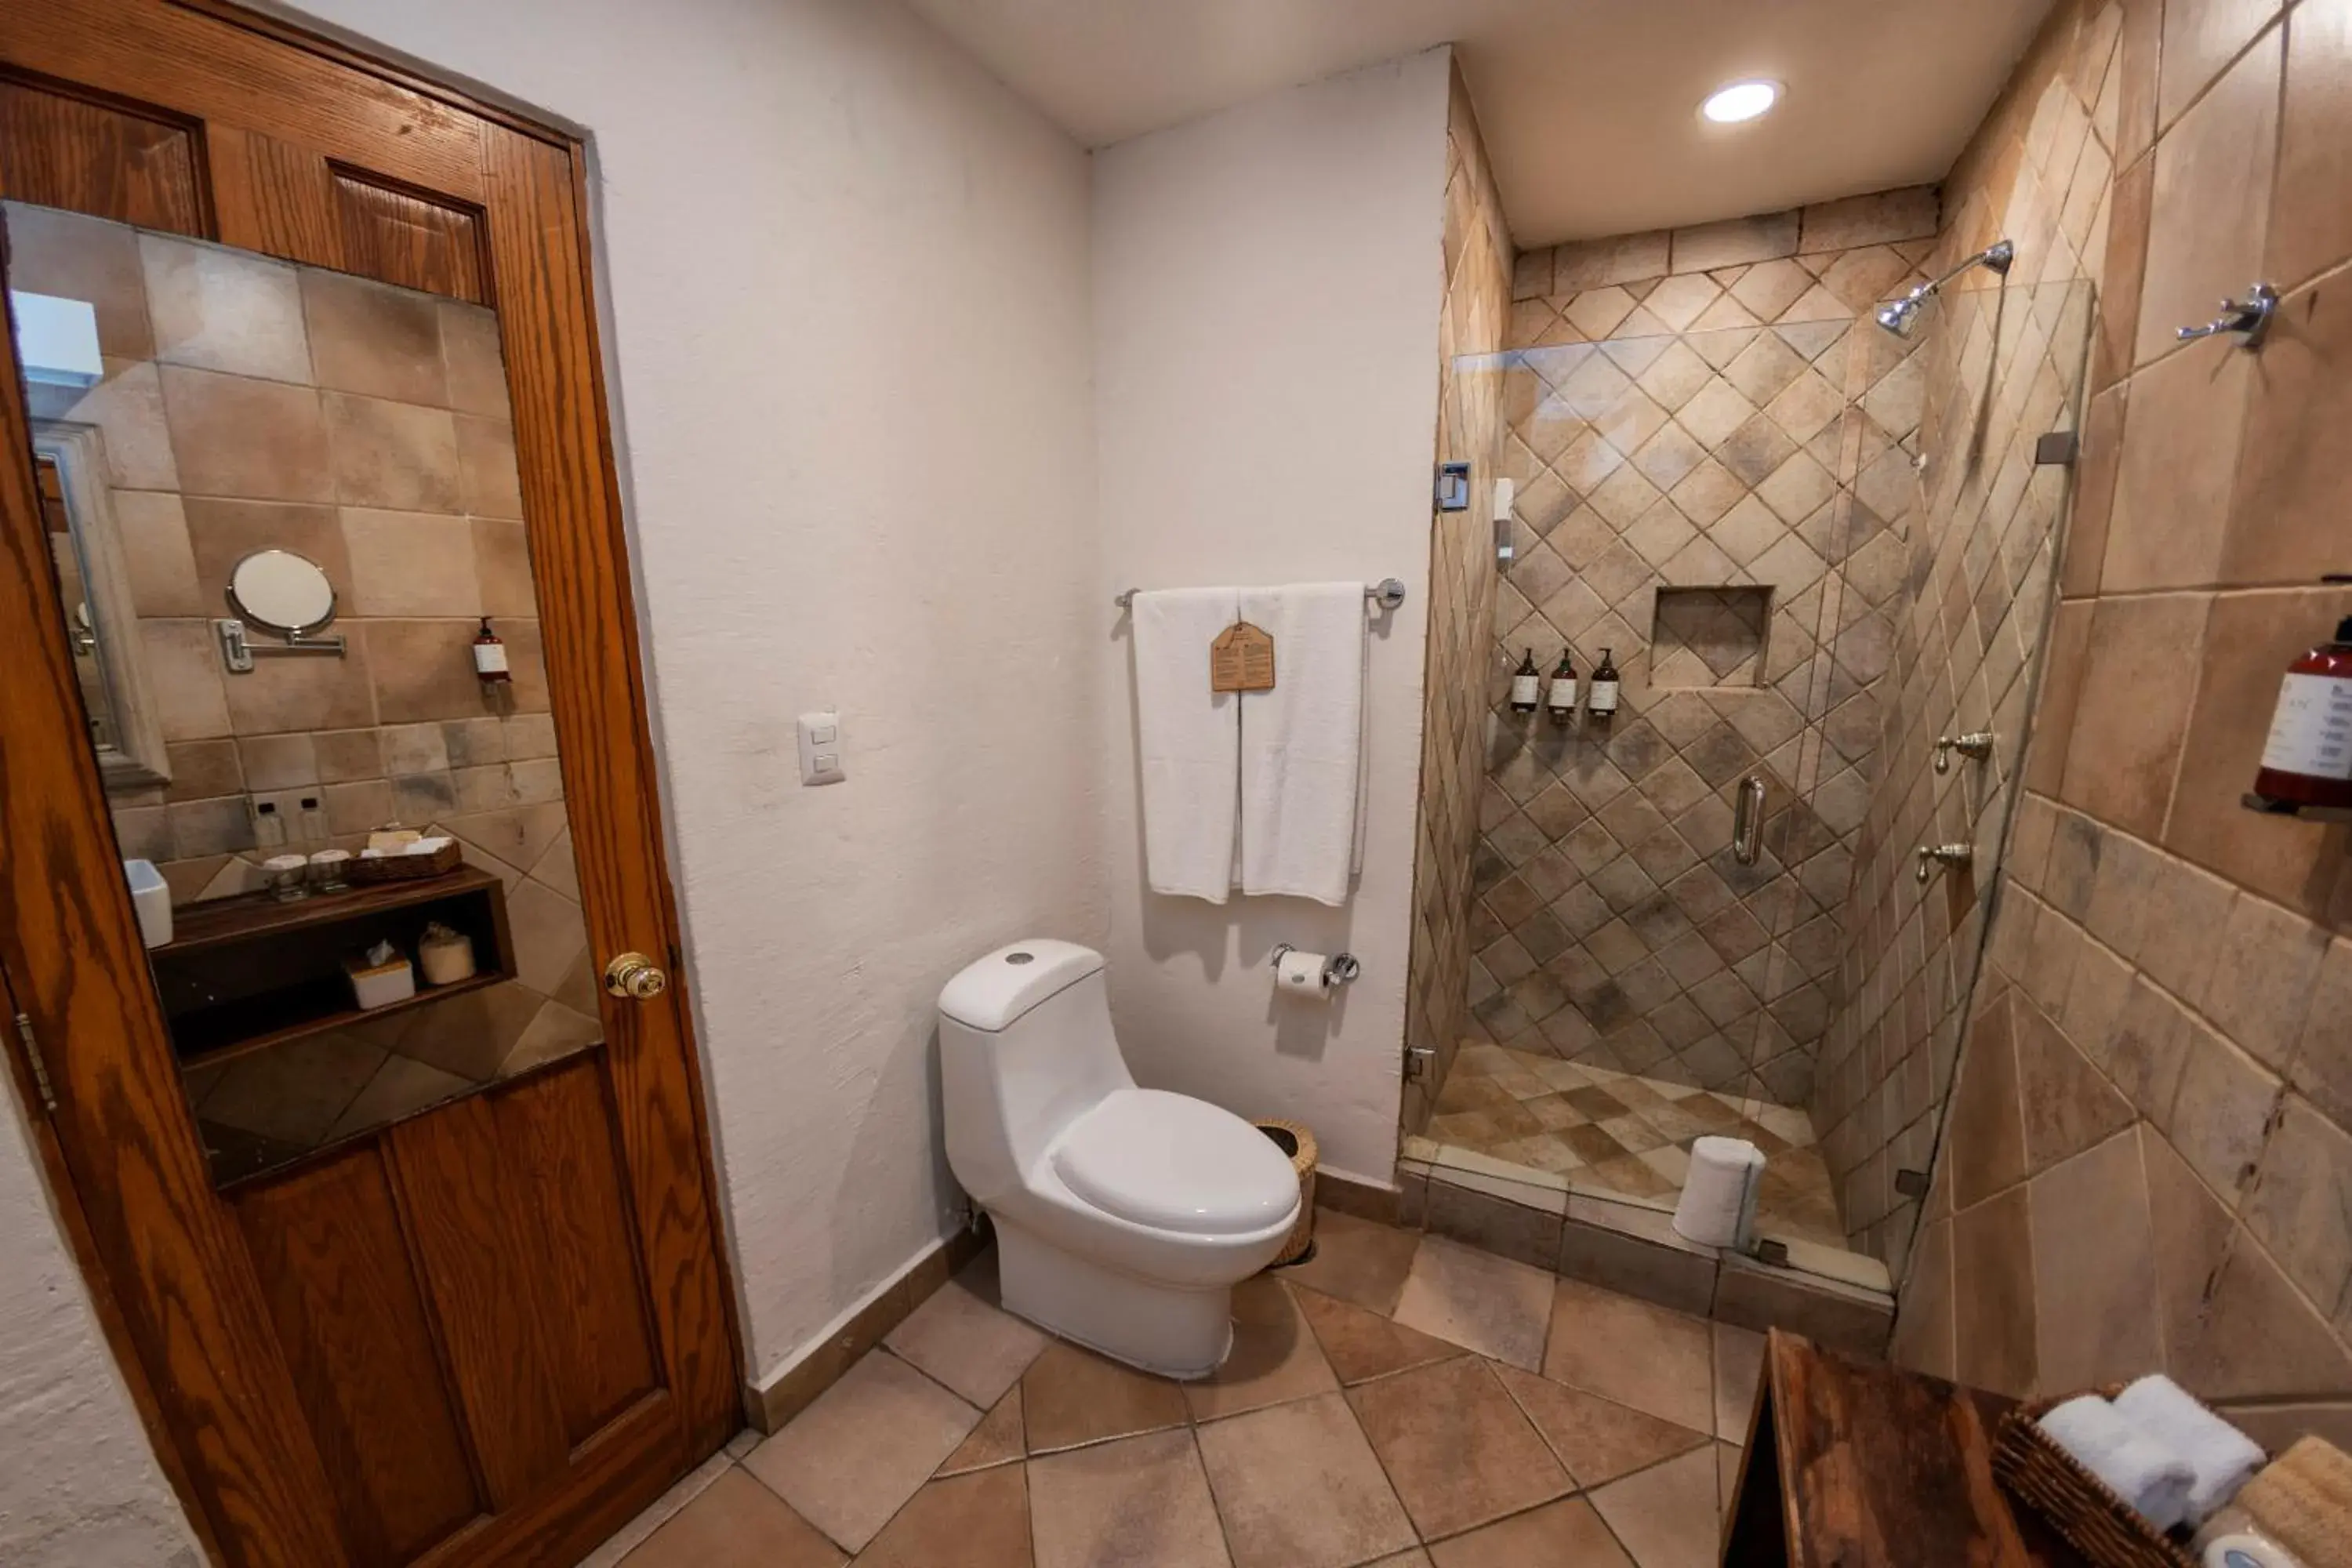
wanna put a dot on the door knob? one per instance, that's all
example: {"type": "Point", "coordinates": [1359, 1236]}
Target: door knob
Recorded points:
{"type": "Point", "coordinates": [636, 977]}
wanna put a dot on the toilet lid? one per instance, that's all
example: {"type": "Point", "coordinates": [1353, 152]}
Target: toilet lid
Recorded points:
{"type": "Point", "coordinates": [1178, 1164]}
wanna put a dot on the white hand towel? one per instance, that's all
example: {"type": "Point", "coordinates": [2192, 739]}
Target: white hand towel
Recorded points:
{"type": "Point", "coordinates": [2145, 1473]}
{"type": "Point", "coordinates": [2220, 1457]}
{"type": "Point", "coordinates": [1188, 741]}
{"type": "Point", "coordinates": [1302, 742]}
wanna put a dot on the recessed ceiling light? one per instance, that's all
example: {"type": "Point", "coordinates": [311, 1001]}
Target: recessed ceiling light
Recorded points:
{"type": "Point", "coordinates": [1740, 100]}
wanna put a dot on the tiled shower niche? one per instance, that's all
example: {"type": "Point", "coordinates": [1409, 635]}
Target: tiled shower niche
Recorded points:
{"type": "Point", "coordinates": [1704, 637]}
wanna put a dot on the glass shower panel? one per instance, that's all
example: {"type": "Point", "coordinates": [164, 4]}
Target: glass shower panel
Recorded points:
{"type": "Point", "coordinates": [1685, 510]}
{"type": "Point", "coordinates": [1998, 370]}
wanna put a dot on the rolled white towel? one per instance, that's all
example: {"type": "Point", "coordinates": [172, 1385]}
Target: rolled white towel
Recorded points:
{"type": "Point", "coordinates": [2220, 1457]}
{"type": "Point", "coordinates": [2138, 1469]}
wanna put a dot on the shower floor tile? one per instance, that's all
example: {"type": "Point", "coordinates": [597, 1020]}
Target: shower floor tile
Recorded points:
{"type": "Point", "coordinates": [1619, 1132]}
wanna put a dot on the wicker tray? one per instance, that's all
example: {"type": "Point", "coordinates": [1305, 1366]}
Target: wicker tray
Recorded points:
{"type": "Point", "coordinates": [1294, 1139]}
{"type": "Point", "coordinates": [2078, 1505]}
{"type": "Point", "coordinates": [404, 868]}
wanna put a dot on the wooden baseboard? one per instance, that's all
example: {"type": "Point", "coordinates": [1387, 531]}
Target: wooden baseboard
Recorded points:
{"type": "Point", "coordinates": [797, 1388]}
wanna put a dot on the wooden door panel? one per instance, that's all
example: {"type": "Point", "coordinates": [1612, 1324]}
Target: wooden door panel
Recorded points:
{"type": "Point", "coordinates": [494, 1331]}
{"type": "Point", "coordinates": [136, 165]}
{"type": "Point", "coordinates": [559, 1151]}
{"type": "Point", "coordinates": [212, 70]}
{"type": "Point", "coordinates": [478, 1269]}
{"type": "Point", "coordinates": [335, 1263]}
{"type": "Point", "coordinates": [586, 610]}
{"type": "Point", "coordinates": [273, 197]}
{"type": "Point", "coordinates": [409, 239]}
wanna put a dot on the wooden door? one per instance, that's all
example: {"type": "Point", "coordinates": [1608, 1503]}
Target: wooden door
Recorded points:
{"type": "Point", "coordinates": [491, 1324]}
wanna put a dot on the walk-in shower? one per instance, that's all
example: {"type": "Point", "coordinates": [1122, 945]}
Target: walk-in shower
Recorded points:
{"type": "Point", "coordinates": [1717, 481]}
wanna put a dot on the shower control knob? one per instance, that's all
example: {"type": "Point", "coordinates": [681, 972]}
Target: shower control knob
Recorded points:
{"type": "Point", "coordinates": [633, 977]}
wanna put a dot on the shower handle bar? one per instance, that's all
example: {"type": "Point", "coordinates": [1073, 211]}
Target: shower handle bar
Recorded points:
{"type": "Point", "coordinates": [1747, 820]}
{"type": "Point", "coordinates": [1388, 592]}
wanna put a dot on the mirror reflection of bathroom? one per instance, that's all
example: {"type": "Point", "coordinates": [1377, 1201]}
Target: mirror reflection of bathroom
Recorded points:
{"type": "Point", "coordinates": [284, 517]}
{"type": "Point", "coordinates": [1786, 486]}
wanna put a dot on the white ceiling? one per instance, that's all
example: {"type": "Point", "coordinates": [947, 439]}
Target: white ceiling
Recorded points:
{"type": "Point", "coordinates": [1589, 107]}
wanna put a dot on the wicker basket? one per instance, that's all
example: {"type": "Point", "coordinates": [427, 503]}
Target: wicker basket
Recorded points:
{"type": "Point", "coordinates": [2078, 1505]}
{"type": "Point", "coordinates": [1298, 1143]}
{"type": "Point", "coordinates": [404, 868]}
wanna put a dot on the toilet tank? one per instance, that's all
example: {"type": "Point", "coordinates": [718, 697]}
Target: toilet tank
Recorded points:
{"type": "Point", "coordinates": [1025, 1048]}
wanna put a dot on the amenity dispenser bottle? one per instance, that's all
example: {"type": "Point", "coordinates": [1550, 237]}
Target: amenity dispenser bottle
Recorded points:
{"type": "Point", "coordinates": [1603, 699]}
{"type": "Point", "coordinates": [2307, 761]}
{"type": "Point", "coordinates": [1560, 700]}
{"type": "Point", "coordinates": [1526, 684]}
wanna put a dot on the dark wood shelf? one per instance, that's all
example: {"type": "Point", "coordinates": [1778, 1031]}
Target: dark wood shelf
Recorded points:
{"type": "Point", "coordinates": [241, 1028]}
{"type": "Point", "coordinates": [243, 974]}
{"type": "Point", "coordinates": [253, 916]}
{"type": "Point", "coordinates": [1850, 1461]}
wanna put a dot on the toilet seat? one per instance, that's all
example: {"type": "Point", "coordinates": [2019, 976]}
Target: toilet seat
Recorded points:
{"type": "Point", "coordinates": [1176, 1163]}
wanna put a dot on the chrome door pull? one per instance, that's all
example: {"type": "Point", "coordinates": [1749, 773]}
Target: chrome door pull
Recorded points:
{"type": "Point", "coordinates": [1747, 820]}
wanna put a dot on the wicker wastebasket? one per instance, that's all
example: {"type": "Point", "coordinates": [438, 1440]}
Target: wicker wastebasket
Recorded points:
{"type": "Point", "coordinates": [1298, 1143]}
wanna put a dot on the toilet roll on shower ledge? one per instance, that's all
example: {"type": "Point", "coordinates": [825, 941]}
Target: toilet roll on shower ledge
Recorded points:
{"type": "Point", "coordinates": [1718, 1200]}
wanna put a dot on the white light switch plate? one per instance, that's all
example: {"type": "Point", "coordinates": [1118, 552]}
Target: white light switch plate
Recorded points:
{"type": "Point", "coordinates": [821, 749]}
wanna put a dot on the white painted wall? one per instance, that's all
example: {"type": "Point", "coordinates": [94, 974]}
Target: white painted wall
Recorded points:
{"type": "Point", "coordinates": [1267, 285]}
{"type": "Point", "coordinates": [847, 291]}
{"type": "Point", "coordinates": [79, 1488]}
{"type": "Point", "coordinates": [846, 282]}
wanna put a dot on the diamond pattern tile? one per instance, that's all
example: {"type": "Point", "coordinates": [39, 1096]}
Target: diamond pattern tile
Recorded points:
{"type": "Point", "coordinates": [1688, 450]}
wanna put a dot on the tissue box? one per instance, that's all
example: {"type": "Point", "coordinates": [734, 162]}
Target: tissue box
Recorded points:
{"type": "Point", "coordinates": [380, 984]}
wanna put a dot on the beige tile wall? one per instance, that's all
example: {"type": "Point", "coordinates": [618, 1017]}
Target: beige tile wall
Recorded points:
{"type": "Point", "coordinates": [2147, 1153]}
{"type": "Point", "coordinates": [1461, 603]}
{"type": "Point", "coordinates": [248, 403]}
{"type": "Point", "coordinates": [1696, 415]}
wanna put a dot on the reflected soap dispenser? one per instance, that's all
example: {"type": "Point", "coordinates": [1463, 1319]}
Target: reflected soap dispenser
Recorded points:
{"type": "Point", "coordinates": [490, 655]}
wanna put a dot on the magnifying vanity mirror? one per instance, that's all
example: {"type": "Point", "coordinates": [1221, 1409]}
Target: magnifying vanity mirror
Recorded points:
{"type": "Point", "coordinates": [279, 592]}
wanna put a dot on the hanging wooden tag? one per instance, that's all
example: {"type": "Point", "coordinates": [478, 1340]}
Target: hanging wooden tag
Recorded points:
{"type": "Point", "coordinates": [1242, 660]}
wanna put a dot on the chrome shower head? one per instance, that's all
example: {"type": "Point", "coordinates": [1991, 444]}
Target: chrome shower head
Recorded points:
{"type": "Point", "coordinates": [1901, 316]}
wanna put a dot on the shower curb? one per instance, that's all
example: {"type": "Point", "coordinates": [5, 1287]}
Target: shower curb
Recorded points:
{"type": "Point", "coordinates": [1836, 1298]}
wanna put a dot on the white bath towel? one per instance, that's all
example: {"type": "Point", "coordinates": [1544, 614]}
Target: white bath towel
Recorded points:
{"type": "Point", "coordinates": [1302, 742]}
{"type": "Point", "coordinates": [2221, 1458]}
{"type": "Point", "coordinates": [1188, 739]}
{"type": "Point", "coordinates": [2144, 1472]}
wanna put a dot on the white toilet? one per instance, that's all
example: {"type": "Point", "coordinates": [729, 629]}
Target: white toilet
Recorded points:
{"type": "Point", "coordinates": [1124, 1215]}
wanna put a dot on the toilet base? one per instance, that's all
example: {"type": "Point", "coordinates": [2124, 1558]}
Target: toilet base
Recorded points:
{"type": "Point", "coordinates": [1170, 1329]}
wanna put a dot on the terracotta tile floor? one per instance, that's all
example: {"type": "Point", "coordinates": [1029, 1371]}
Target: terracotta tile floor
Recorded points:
{"type": "Point", "coordinates": [1356, 1422]}
{"type": "Point", "coordinates": [1613, 1132]}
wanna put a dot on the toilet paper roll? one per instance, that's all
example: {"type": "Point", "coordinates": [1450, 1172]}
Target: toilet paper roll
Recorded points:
{"type": "Point", "coordinates": [1301, 973]}
{"type": "Point", "coordinates": [1718, 1202]}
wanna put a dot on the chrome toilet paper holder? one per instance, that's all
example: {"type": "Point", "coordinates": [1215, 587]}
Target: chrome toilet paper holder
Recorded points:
{"type": "Point", "coordinates": [1337, 970]}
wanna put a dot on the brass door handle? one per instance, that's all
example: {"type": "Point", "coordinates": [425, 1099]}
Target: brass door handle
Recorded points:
{"type": "Point", "coordinates": [634, 977]}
